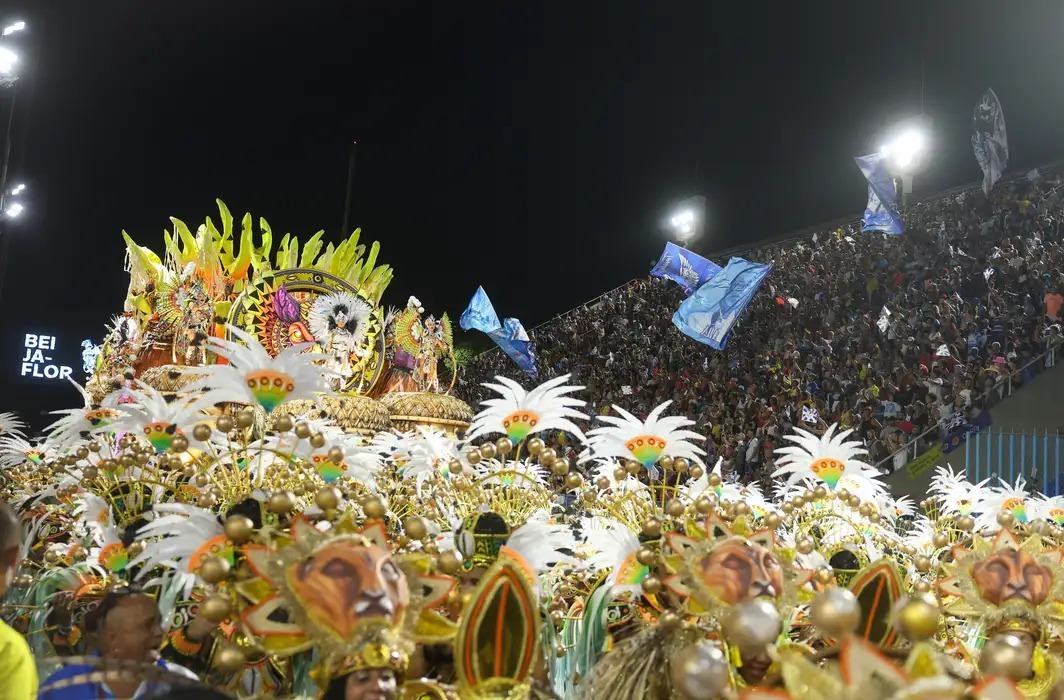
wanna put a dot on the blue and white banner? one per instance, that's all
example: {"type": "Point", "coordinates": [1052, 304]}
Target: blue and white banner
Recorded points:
{"type": "Point", "coordinates": [881, 212]}
{"type": "Point", "coordinates": [689, 270]}
{"type": "Point", "coordinates": [709, 314]}
{"type": "Point", "coordinates": [989, 142]}
{"type": "Point", "coordinates": [509, 334]}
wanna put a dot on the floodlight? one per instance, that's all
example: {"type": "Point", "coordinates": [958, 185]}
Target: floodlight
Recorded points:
{"type": "Point", "coordinates": [12, 28]}
{"type": "Point", "coordinates": [14, 210]}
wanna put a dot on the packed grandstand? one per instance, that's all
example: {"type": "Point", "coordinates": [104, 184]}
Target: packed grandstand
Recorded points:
{"type": "Point", "coordinates": [973, 298]}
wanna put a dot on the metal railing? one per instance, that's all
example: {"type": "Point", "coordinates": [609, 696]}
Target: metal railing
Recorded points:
{"type": "Point", "coordinates": [1008, 455]}
{"type": "Point", "coordinates": [1002, 388]}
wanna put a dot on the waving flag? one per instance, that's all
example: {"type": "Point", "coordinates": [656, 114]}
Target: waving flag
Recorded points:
{"type": "Point", "coordinates": [687, 269]}
{"type": "Point", "coordinates": [881, 212]}
{"type": "Point", "coordinates": [709, 314]}
{"type": "Point", "coordinates": [989, 142]}
{"type": "Point", "coordinates": [509, 335]}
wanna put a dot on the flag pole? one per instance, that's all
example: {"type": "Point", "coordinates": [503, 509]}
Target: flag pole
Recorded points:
{"type": "Point", "coordinates": [347, 191]}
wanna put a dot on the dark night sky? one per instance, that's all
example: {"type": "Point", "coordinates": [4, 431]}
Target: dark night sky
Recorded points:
{"type": "Point", "coordinates": [532, 147]}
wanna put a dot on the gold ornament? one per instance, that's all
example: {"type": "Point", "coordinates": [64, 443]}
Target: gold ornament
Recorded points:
{"type": "Point", "coordinates": [229, 659]}
{"type": "Point", "coordinates": [940, 540]}
{"type": "Point", "coordinates": [917, 618]}
{"type": "Point", "coordinates": [281, 502]}
{"type": "Point", "coordinates": [328, 498]}
{"type": "Point", "coordinates": [700, 671]}
{"type": "Point", "coordinates": [675, 508]}
{"type": "Point", "coordinates": [317, 441]}
{"type": "Point", "coordinates": [283, 423]}
{"type": "Point", "coordinates": [752, 625]}
{"type": "Point", "coordinates": [697, 472]}
{"type": "Point", "coordinates": [835, 612]}
{"type": "Point", "coordinates": [450, 561]}
{"type": "Point", "coordinates": [238, 528]}
{"type": "Point", "coordinates": [646, 556]}
{"type": "Point", "coordinates": [374, 508]}
{"type": "Point", "coordinates": [415, 527]}
{"type": "Point", "coordinates": [1005, 655]}
{"type": "Point", "coordinates": [652, 585]}
{"type": "Point", "coordinates": [473, 456]}
{"type": "Point", "coordinates": [214, 570]}
{"type": "Point", "coordinates": [666, 462]}
{"type": "Point", "coordinates": [535, 446]}
{"type": "Point", "coordinates": [246, 418]}
{"type": "Point", "coordinates": [488, 451]}
{"type": "Point", "coordinates": [202, 432]}
{"type": "Point", "coordinates": [336, 455]}
{"type": "Point", "coordinates": [215, 608]}
{"type": "Point", "coordinates": [573, 481]}
{"type": "Point", "coordinates": [303, 430]}
{"type": "Point", "coordinates": [504, 446]}
{"type": "Point", "coordinates": [652, 527]}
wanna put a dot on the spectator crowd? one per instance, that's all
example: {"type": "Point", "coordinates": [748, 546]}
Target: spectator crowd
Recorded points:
{"type": "Point", "coordinates": [889, 335]}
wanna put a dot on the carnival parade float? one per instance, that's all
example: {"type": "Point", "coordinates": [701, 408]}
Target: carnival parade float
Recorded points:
{"type": "Point", "coordinates": [276, 459]}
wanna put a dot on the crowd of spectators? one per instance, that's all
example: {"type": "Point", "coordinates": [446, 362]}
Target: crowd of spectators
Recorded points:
{"type": "Point", "coordinates": [973, 291]}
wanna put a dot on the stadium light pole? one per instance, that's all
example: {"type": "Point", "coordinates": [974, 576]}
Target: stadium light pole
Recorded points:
{"type": "Point", "coordinates": [906, 151]}
{"type": "Point", "coordinates": [687, 220]}
{"type": "Point", "coordinates": [9, 61]}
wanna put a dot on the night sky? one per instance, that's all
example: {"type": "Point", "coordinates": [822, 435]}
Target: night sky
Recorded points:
{"type": "Point", "coordinates": [532, 147]}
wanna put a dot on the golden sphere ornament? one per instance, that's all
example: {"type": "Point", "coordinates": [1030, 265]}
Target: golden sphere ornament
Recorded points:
{"type": "Point", "coordinates": [652, 527]}
{"type": "Point", "coordinates": [573, 480]}
{"type": "Point", "coordinates": [283, 424]}
{"type": "Point", "coordinates": [215, 608]}
{"type": "Point", "coordinates": [374, 508]}
{"type": "Point", "coordinates": [652, 585]}
{"type": "Point", "coordinates": [646, 556]}
{"type": "Point", "coordinates": [1005, 519]}
{"type": "Point", "coordinates": [246, 418]}
{"type": "Point", "coordinates": [602, 483]}
{"type": "Point", "coordinates": [89, 473]}
{"type": "Point", "coordinates": [669, 620]}
{"type": "Point", "coordinates": [700, 671]}
{"type": "Point", "coordinates": [619, 474]}
{"type": "Point", "coordinates": [239, 528]}
{"type": "Point", "coordinates": [772, 521]}
{"type": "Point", "coordinates": [714, 480]}
{"type": "Point", "coordinates": [82, 453]}
{"type": "Point", "coordinates": [415, 527]}
{"type": "Point", "coordinates": [940, 539]}
{"type": "Point", "coordinates": [488, 451]}
{"type": "Point", "coordinates": [317, 441]}
{"type": "Point", "coordinates": [450, 561]}
{"type": "Point", "coordinates": [922, 564]}
{"type": "Point", "coordinates": [473, 456]}
{"type": "Point", "coordinates": [303, 431]}
{"type": "Point", "coordinates": [559, 467]}
{"type": "Point", "coordinates": [1006, 655]}
{"type": "Point", "coordinates": [917, 617]}
{"type": "Point", "coordinates": [281, 502]}
{"type": "Point", "coordinates": [666, 462]}
{"type": "Point", "coordinates": [535, 446]}
{"type": "Point", "coordinates": [835, 611]}
{"type": "Point", "coordinates": [504, 446]}
{"type": "Point", "coordinates": [214, 570]}
{"type": "Point", "coordinates": [202, 432]}
{"type": "Point", "coordinates": [804, 546]}
{"type": "Point", "coordinates": [336, 455]}
{"type": "Point", "coordinates": [681, 464]}
{"type": "Point", "coordinates": [697, 472]}
{"type": "Point", "coordinates": [675, 508]}
{"type": "Point", "coordinates": [229, 659]}
{"type": "Point", "coordinates": [328, 498]}
{"type": "Point", "coordinates": [752, 625]}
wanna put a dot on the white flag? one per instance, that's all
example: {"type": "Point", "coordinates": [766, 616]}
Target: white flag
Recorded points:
{"type": "Point", "coordinates": [989, 142]}
{"type": "Point", "coordinates": [884, 320]}
{"type": "Point", "coordinates": [943, 351]}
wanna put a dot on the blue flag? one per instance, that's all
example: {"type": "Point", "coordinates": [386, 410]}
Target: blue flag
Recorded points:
{"type": "Point", "coordinates": [687, 269]}
{"type": "Point", "coordinates": [709, 314]}
{"type": "Point", "coordinates": [509, 335]}
{"type": "Point", "coordinates": [881, 212]}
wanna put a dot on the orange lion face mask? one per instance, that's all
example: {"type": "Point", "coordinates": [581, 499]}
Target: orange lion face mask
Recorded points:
{"type": "Point", "coordinates": [738, 570]}
{"type": "Point", "coordinates": [1012, 575]}
{"type": "Point", "coordinates": [346, 584]}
